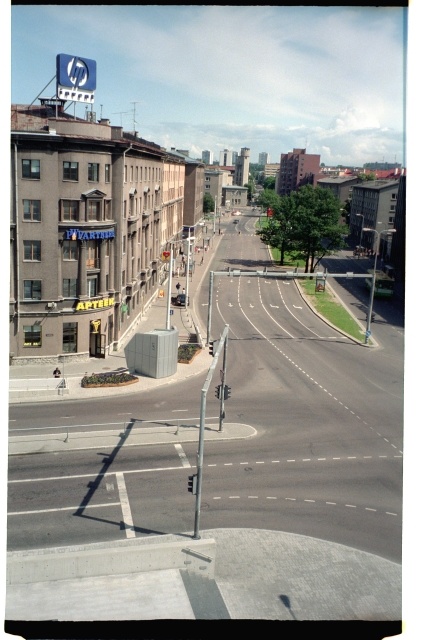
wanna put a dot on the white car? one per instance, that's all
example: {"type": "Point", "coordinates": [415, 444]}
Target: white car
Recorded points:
{"type": "Point", "coordinates": [236, 213]}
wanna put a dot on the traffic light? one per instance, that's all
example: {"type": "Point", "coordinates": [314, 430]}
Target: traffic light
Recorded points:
{"type": "Point", "coordinates": [213, 347]}
{"type": "Point", "coordinates": [227, 392]}
{"type": "Point", "coordinates": [218, 392]}
{"type": "Point", "coordinates": [192, 484]}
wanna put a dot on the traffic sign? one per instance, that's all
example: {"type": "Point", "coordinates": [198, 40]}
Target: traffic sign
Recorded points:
{"type": "Point", "coordinates": [368, 333]}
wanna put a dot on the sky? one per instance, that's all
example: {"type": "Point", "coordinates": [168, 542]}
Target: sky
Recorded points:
{"type": "Point", "coordinates": [197, 77]}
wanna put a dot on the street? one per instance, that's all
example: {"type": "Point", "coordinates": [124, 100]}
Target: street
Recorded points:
{"type": "Point", "coordinates": [326, 460]}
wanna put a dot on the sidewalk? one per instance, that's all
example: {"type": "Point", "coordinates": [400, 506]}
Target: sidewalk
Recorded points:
{"type": "Point", "coordinates": [185, 320]}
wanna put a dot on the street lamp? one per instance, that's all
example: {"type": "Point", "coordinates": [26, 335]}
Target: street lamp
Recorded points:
{"type": "Point", "coordinates": [378, 234]}
{"type": "Point", "coordinates": [362, 229]}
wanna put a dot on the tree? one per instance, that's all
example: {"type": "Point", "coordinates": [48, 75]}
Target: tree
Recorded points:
{"type": "Point", "coordinates": [307, 221]}
{"type": "Point", "coordinates": [269, 183]}
{"type": "Point", "coordinates": [208, 203]}
{"type": "Point", "coordinates": [366, 177]}
{"type": "Point", "coordinates": [314, 214]}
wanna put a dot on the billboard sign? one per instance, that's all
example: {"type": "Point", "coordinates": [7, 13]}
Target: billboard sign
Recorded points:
{"type": "Point", "coordinates": [75, 78]}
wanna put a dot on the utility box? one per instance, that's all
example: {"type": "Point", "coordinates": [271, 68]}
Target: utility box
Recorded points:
{"type": "Point", "coordinates": [153, 354]}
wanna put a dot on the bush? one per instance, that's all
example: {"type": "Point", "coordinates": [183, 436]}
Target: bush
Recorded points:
{"type": "Point", "coordinates": [186, 352]}
{"type": "Point", "coordinates": [107, 379]}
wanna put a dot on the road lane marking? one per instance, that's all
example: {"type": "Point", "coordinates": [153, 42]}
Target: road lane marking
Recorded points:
{"type": "Point", "coordinates": [125, 506]}
{"type": "Point", "coordinates": [182, 456]}
{"type": "Point", "coordinates": [88, 506]}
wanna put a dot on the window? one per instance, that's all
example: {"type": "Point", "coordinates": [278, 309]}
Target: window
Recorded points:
{"type": "Point", "coordinates": [31, 169]}
{"type": "Point", "coordinates": [69, 288]}
{"type": "Point", "coordinates": [32, 250]}
{"type": "Point", "coordinates": [32, 335]}
{"type": "Point", "coordinates": [107, 172]}
{"type": "Point", "coordinates": [124, 279]}
{"type": "Point", "coordinates": [93, 261]}
{"type": "Point", "coordinates": [70, 171]}
{"type": "Point", "coordinates": [94, 210]}
{"type": "Point", "coordinates": [32, 289]}
{"type": "Point", "coordinates": [70, 249]}
{"type": "Point", "coordinates": [69, 337]}
{"type": "Point", "coordinates": [124, 244]}
{"type": "Point", "coordinates": [32, 210]}
{"type": "Point", "coordinates": [70, 210]}
{"type": "Point", "coordinates": [93, 172]}
{"type": "Point", "coordinates": [92, 286]}
{"type": "Point", "coordinates": [108, 209]}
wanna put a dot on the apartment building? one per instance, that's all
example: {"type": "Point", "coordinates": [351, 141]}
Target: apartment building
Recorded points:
{"type": "Point", "coordinates": [340, 186]}
{"type": "Point", "coordinates": [297, 168]}
{"type": "Point", "coordinates": [90, 214]}
{"type": "Point", "coordinates": [373, 206]}
{"type": "Point", "coordinates": [264, 158]}
{"type": "Point", "coordinates": [207, 157]}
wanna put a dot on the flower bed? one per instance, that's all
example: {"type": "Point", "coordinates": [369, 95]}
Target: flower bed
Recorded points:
{"type": "Point", "coordinates": [108, 380]}
{"type": "Point", "coordinates": [187, 352]}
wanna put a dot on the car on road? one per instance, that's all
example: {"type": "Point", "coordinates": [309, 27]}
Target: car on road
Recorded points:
{"type": "Point", "coordinates": [236, 213]}
{"type": "Point", "coordinates": [180, 300]}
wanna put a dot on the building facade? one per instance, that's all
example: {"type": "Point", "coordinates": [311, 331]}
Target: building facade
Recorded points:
{"type": "Point", "coordinates": [340, 186]}
{"type": "Point", "coordinates": [373, 206]}
{"type": "Point", "coordinates": [264, 158]}
{"type": "Point", "coordinates": [207, 157]}
{"type": "Point", "coordinates": [86, 232]}
{"type": "Point", "coordinates": [297, 168]}
{"type": "Point", "coordinates": [241, 176]}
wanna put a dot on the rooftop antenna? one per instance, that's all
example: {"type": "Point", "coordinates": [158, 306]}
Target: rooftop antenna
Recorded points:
{"type": "Point", "coordinates": [120, 113]}
{"type": "Point", "coordinates": [134, 120]}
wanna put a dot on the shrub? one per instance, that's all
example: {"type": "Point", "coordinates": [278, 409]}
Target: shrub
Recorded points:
{"type": "Point", "coordinates": [105, 379]}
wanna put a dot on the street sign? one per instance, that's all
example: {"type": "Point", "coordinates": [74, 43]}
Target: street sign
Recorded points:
{"type": "Point", "coordinates": [368, 333]}
{"type": "Point", "coordinates": [171, 312]}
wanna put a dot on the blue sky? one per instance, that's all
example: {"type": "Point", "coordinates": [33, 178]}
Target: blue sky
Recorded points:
{"type": "Point", "coordinates": [271, 78]}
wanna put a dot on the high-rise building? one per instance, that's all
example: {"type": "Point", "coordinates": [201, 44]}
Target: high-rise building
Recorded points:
{"type": "Point", "coordinates": [207, 156]}
{"type": "Point", "coordinates": [297, 168]}
{"type": "Point", "coordinates": [241, 177]}
{"type": "Point", "coordinates": [226, 158]}
{"type": "Point", "coordinates": [264, 158]}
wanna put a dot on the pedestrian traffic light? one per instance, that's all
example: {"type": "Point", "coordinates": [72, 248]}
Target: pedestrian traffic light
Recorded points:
{"type": "Point", "coordinates": [218, 392]}
{"type": "Point", "coordinates": [192, 484]}
{"type": "Point", "coordinates": [227, 392]}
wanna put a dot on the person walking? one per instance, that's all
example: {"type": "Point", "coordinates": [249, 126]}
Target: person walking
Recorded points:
{"type": "Point", "coordinates": [178, 287]}
{"type": "Point", "coordinates": [57, 373]}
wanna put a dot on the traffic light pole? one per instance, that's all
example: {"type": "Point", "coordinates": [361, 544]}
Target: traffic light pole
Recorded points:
{"type": "Point", "coordinates": [222, 341]}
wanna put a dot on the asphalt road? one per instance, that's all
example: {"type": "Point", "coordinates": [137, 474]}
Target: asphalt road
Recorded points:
{"type": "Point", "coordinates": [327, 460]}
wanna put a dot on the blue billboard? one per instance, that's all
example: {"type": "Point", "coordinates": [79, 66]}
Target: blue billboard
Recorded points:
{"type": "Point", "coordinates": [75, 78]}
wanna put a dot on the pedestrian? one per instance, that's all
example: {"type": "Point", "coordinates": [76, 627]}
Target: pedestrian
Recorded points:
{"type": "Point", "coordinates": [183, 291]}
{"type": "Point", "coordinates": [57, 373]}
{"type": "Point", "coordinates": [178, 287]}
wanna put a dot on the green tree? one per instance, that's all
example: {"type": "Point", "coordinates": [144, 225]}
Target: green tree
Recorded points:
{"type": "Point", "coordinates": [314, 214]}
{"type": "Point", "coordinates": [208, 203]}
{"type": "Point", "coordinates": [307, 221]}
{"type": "Point", "coordinates": [269, 183]}
{"type": "Point", "coordinates": [366, 177]}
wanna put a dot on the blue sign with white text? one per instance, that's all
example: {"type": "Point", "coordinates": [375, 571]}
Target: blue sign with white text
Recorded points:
{"type": "Point", "coordinates": [75, 72]}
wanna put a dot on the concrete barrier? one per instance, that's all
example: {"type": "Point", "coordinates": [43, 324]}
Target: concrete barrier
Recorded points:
{"type": "Point", "coordinates": [98, 559]}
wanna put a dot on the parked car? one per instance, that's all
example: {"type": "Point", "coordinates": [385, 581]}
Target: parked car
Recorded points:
{"type": "Point", "coordinates": [180, 300]}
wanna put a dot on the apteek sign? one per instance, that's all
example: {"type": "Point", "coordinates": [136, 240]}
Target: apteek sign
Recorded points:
{"type": "Point", "coordinates": [75, 78]}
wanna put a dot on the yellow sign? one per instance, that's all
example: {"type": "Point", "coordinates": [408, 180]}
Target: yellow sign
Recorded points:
{"type": "Point", "coordinates": [95, 304]}
{"type": "Point", "coordinates": [95, 326]}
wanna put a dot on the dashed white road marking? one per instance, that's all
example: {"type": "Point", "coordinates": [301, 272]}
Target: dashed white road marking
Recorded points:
{"type": "Point", "coordinates": [125, 505]}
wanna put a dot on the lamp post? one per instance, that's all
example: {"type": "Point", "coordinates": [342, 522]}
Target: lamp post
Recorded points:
{"type": "Point", "coordinates": [378, 234]}
{"type": "Point", "coordinates": [362, 229]}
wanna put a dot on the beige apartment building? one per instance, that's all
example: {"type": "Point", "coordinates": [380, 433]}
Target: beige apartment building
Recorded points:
{"type": "Point", "coordinates": [92, 209]}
